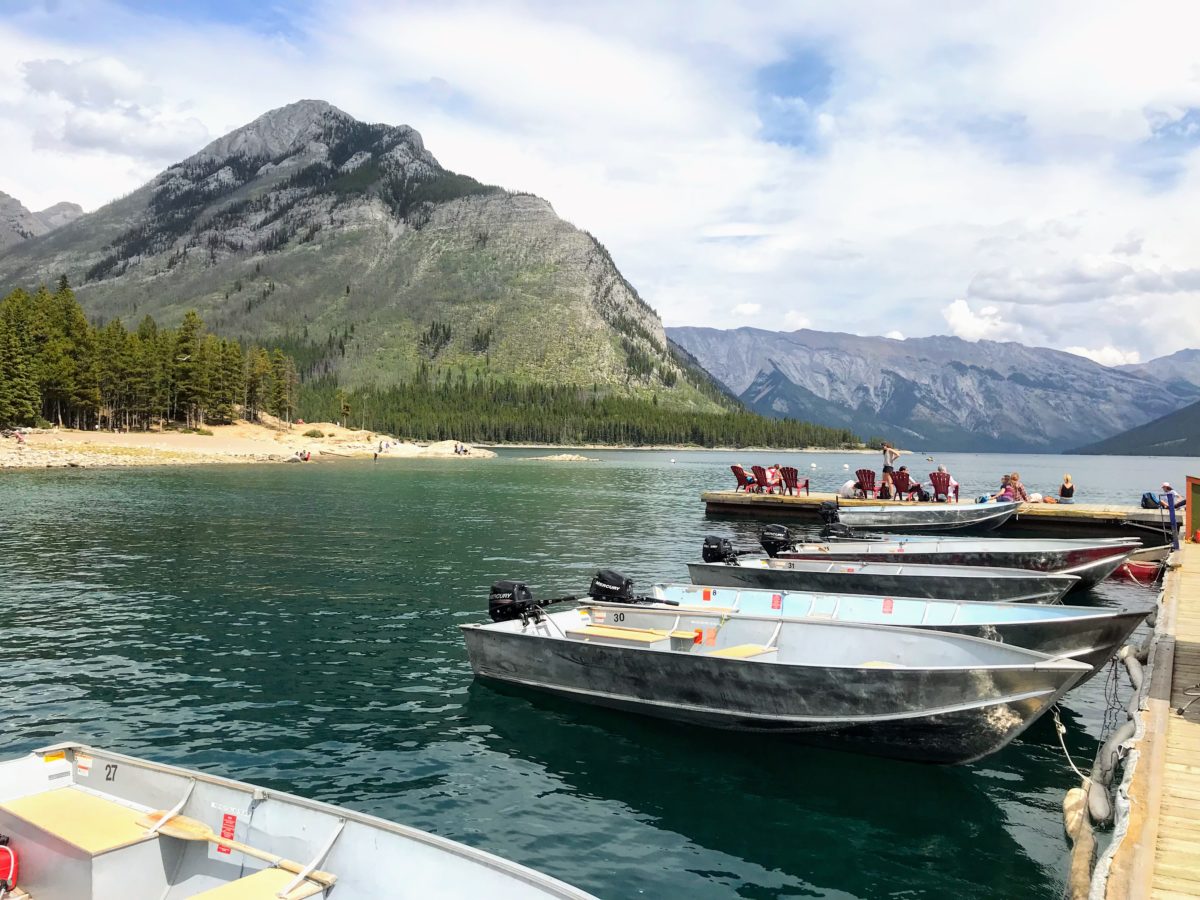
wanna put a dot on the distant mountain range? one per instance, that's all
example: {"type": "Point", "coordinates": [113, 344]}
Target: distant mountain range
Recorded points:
{"type": "Point", "coordinates": [1183, 366]}
{"type": "Point", "coordinates": [938, 392]}
{"type": "Point", "coordinates": [349, 244]}
{"type": "Point", "coordinates": [17, 224]}
{"type": "Point", "coordinates": [1175, 434]}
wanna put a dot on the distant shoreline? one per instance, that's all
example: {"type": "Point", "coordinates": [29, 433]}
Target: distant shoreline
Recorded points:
{"type": "Point", "coordinates": [679, 447]}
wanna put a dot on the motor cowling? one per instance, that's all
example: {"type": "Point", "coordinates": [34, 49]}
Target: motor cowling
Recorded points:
{"type": "Point", "coordinates": [717, 549]}
{"type": "Point", "coordinates": [610, 586]}
{"type": "Point", "coordinates": [774, 539]}
{"type": "Point", "coordinates": [829, 512]}
{"type": "Point", "coordinates": [510, 600]}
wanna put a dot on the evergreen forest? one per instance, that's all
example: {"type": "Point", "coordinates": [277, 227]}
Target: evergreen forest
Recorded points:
{"type": "Point", "coordinates": [56, 367]}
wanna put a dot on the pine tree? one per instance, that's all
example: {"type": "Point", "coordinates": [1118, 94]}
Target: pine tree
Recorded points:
{"type": "Point", "coordinates": [19, 398]}
{"type": "Point", "coordinates": [188, 374]}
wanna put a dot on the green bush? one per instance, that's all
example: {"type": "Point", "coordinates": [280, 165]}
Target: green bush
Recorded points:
{"type": "Point", "coordinates": [314, 433]}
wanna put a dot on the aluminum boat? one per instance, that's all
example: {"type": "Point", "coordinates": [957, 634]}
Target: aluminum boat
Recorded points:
{"type": "Point", "coordinates": [1089, 634]}
{"type": "Point", "coordinates": [890, 691]}
{"type": "Point", "coordinates": [889, 579]}
{"type": "Point", "coordinates": [927, 517]}
{"type": "Point", "coordinates": [1091, 561]}
{"type": "Point", "coordinates": [86, 824]}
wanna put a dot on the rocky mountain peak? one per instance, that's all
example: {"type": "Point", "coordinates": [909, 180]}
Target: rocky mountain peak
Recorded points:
{"type": "Point", "coordinates": [18, 224]}
{"type": "Point", "coordinates": [279, 132]}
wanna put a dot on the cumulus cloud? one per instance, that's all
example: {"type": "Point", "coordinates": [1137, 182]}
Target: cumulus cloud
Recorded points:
{"type": "Point", "coordinates": [894, 335]}
{"type": "Point", "coordinates": [1107, 356]}
{"type": "Point", "coordinates": [796, 320]}
{"type": "Point", "coordinates": [975, 325]}
{"type": "Point", "coordinates": [747, 309]}
{"type": "Point", "coordinates": [96, 83]}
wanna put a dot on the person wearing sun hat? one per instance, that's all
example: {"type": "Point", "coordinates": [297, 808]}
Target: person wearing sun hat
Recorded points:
{"type": "Point", "coordinates": [1169, 498]}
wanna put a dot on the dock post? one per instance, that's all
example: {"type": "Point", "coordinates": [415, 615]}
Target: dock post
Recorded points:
{"type": "Point", "coordinates": [1174, 522]}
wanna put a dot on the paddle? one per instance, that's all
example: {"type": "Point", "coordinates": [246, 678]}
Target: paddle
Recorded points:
{"type": "Point", "coordinates": [186, 829]}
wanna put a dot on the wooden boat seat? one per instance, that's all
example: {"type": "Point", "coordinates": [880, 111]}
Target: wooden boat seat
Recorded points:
{"type": "Point", "coordinates": [620, 632]}
{"type": "Point", "coordinates": [742, 651]}
{"type": "Point", "coordinates": [264, 884]}
{"type": "Point", "coordinates": [93, 824]}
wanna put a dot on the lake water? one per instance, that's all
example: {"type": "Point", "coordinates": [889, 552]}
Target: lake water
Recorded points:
{"type": "Point", "coordinates": [296, 626]}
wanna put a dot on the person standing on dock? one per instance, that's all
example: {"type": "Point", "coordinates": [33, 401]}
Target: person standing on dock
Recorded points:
{"type": "Point", "coordinates": [890, 455]}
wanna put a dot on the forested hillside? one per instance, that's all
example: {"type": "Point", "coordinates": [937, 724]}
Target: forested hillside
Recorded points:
{"type": "Point", "coordinates": [57, 368]}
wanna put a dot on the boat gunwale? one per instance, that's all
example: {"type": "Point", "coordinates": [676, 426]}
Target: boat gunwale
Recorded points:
{"type": "Point", "coordinates": [922, 569]}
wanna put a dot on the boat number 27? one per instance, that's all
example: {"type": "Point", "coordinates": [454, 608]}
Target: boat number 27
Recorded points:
{"type": "Point", "coordinates": [110, 772]}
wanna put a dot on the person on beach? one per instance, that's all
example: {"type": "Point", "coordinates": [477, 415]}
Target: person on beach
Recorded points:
{"type": "Point", "coordinates": [890, 455]}
{"type": "Point", "coordinates": [1066, 490]}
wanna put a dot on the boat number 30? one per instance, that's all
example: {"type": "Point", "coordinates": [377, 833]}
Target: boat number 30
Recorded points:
{"type": "Point", "coordinates": [618, 617]}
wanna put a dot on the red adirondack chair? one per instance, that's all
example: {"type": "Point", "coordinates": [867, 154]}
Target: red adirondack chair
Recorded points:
{"type": "Point", "coordinates": [792, 482]}
{"type": "Point", "coordinates": [743, 480]}
{"type": "Point", "coordinates": [904, 486]}
{"type": "Point", "coordinates": [765, 486]}
{"type": "Point", "coordinates": [941, 486]}
{"type": "Point", "coordinates": [866, 482]}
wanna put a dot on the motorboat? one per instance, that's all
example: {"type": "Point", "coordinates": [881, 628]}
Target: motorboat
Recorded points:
{"type": "Point", "coordinates": [1088, 634]}
{"type": "Point", "coordinates": [920, 517]}
{"type": "Point", "coordinates": [888, 579]}
{"type": "Point", "coordinates": [906, 693]}
{"type": "Point", "coordinates": [1091, 561]}
{"type": "Point", "coordinates": [84, 824]}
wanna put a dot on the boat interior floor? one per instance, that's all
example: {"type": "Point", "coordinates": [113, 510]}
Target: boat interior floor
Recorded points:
{"type": "Point", "coordinates": [92, 840]}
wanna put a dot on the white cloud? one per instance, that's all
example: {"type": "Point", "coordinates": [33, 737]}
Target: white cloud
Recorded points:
{"type": "Point", "coordinates": [894, 335]}
{"type": "Point", "coordinates": [747, 309]}
{"type": "Point", "coordinates": [975, 168]}
{"type": "Point", "coordinates": [972, 325]}
{"type": "Point", "coordinates": [1107, 356]}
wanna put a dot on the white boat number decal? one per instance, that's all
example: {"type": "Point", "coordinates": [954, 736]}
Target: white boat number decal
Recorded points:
{"type": "Point", "coordinates": [110, 772]}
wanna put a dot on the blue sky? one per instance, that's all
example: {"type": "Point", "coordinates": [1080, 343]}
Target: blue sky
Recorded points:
{"type": "Point", "coordinates": [1016, 171]}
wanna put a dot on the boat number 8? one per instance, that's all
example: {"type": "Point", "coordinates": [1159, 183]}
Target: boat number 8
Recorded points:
{"type": "Point", "coordinates": [110, 772]}
{"type": "Point", "coordinates": [618, 617]}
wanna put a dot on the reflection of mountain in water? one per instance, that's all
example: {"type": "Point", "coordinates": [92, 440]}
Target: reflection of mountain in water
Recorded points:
{"type": "Point", "coordinates": [772, 802]}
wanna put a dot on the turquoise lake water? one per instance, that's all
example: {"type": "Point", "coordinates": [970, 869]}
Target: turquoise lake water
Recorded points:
{"type": "Point", "coordinates": [296, 626]}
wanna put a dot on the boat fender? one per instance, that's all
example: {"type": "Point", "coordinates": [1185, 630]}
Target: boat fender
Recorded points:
{"type": "Point", "coordinates": [8, 865]}
{"type": "Point", "coordinates": [1128, 655]}
{"type": "Point", "coordinates": [775, 538]}
{"type": "Point", "coordinates": [1103, 770]}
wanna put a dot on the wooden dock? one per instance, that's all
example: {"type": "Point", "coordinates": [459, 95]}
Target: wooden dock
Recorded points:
{"type": "Point", "coordinates": [1068, 520]}
{"type": "Point", "coordinates": [1159, 855]}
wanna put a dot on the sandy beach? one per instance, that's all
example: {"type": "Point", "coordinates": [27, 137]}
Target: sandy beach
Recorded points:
{"type": "Point", "coordinates": [240, 443]}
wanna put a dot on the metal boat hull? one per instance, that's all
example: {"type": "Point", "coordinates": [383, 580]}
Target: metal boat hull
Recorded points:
{"type": "Point", "coordinates": [927, 517]}
{"type": "Point", "coordinates": [1085, 633]}
{"type": "Point", "coordinates": [926, 714]}
{"type": "Point", "coordinates": [1092, 563]}
{"type": "Point", "coordinates": [887, 579]}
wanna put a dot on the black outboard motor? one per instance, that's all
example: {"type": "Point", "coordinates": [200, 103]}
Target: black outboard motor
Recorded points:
{"type": "Point", "coordinates": [717, 549]}
{"type": "Point", "coordinates": [839, 532]}
{"type": "Point", "coordinates": [610, 586]}
{"type": "Point", "coordinates": [775, 538]}
{"type": "Point", "coordinates": [510, 600]}
{"type": "Point", "coordinates": [829, 512]}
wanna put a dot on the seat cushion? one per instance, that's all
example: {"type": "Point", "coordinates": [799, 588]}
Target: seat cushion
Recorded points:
{"type": "Point", "coordinates": [93, 824]}
{"type": "Point", "coordinates": [262, 885]}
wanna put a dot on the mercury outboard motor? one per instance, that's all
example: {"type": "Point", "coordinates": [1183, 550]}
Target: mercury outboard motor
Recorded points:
{"type": "Point", "coordinates": [829, 512]}
{"type": "Point", "coordinates": [717, 549]}
{"type": "Point", "coordinates": [775, 538]}
{"type": "Point", "coordinates": [510, 600]}
{"type": "Point", "coordinates": [610, 586]}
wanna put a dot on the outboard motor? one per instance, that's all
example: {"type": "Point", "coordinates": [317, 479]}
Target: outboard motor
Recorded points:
{"type": "Point", "coordinates": [775, 538]}
{"type": "Point", "coordinates": [717, 549]}
{"type": "Point", "coordinates": [829, 512]}
{"type": "Point", "coordinates": [510, 600]}
{"type": "Point", "coordinates": [610, 586]}
{"type": "Point", "coordinates": [839, 532]}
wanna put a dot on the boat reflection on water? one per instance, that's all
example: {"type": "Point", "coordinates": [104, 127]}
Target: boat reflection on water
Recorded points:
{"type": "Point", "coordinates": [812, 820]}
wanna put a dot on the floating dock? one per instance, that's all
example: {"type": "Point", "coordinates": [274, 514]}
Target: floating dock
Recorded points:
{"type": "Point", "coordinates": [1048, 519]}
{"type": "Point", "coordinates": [1158, 848]}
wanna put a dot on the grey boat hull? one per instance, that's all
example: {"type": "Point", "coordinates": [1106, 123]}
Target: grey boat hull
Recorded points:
{"type": "Point", "coordinates": [948, 715]}
{"type": "Point", "coordinates": [887, 579]}
{"type": "Point", "coordinates": [1091, 563]}
{"type": "Point", "coordinates": [931, 518]}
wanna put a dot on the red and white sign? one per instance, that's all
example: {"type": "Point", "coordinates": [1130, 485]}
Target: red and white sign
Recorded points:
{"type": "Point", "coordinates": [83, 765]}
{"type": "Point", "coordinates": [777, 601]}
{"type": "Point", "coordinates": [228, 827]}
{"type": "Point", "coordinates": [887, 605]}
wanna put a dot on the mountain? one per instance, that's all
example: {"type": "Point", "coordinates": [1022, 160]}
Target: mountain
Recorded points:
{"type": "Point", "coordinates": [350, 246]}
{"type": "Point", "coordinates": [1175, 434]}
{"type": "Point", "coordinates": [1183, 365]}
{"type": "Point", "coordinates": [17, 224]}
{"type": "Point", "coordinates": [937, 392]}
